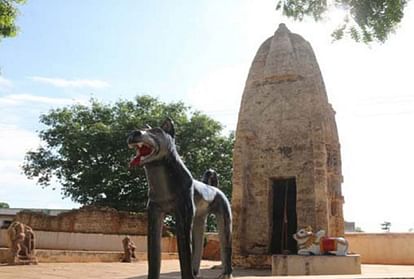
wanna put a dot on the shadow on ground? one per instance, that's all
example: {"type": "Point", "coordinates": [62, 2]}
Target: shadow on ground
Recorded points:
{"type": "Point", "coordinates": [211, 273]}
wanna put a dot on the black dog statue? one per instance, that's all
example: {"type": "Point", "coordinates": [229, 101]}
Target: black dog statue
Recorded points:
{"type": "Point", "coordinates": [173, 190]}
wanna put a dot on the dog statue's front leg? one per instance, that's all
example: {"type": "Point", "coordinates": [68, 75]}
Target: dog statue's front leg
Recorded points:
{"type": "Point", "coordinates": [184, 217]}
{"type": "Point", "coordinates": [155, 221]}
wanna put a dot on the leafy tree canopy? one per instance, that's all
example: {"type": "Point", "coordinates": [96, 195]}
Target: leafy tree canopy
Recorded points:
{"type": "Point", "coordinates": [8, 14]}
{"type": "Point", "coordinates": [85, 149]}
{"type": "Point", "coordinates": [364, 21]}
{"type": "Point", "coordinates": [4, 205]}
{"type": "Point", "coordinates": [386, 226]}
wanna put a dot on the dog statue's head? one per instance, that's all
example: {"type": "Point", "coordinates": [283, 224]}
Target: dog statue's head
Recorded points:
{"type": "Point", "coordinates": [151, 144]}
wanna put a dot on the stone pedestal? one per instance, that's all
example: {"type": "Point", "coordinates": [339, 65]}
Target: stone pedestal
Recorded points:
{"type": "Point", "coordinates": [252, 261]}
{"type": "Point", "coordinates": [284, 265]}
{"type": "Point", "coordinates": [19, 261]}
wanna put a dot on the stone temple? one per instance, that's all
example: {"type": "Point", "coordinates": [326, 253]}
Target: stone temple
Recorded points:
{"type": "Point", "coordinates": [287, 163]}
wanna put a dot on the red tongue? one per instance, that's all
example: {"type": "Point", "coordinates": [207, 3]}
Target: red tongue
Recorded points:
{"type": "Point", "coordinates": [135, 162]}
{"type": "Point", "coordinates": [143, 151]}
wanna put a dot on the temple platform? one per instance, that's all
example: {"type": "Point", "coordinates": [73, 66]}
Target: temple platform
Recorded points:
{"type": "Point", "coordinates": [285, 265]}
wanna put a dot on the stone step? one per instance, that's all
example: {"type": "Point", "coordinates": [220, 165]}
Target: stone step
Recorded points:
{"type": "Point", "coordinates": [294, 265]}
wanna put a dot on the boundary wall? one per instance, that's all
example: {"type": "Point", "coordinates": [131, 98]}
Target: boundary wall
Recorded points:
{"type": "Point", "coordinates": [383, 248]}
{"type": "Point", "coordinates": [374, 248]}
{"type": "Point", "coordinates": [89, 241]}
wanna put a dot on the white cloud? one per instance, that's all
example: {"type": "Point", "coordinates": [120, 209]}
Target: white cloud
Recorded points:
{"type": "Point", "coordinates": [20, 192]}
{"type": "Point", "coordinates": [219, 93]}
{"type": "Point", "coordinates": [15, 142]}
{"type": "Point", "coordinates": [5, 83]}
{"type": "Point", "coordinates": [15, 188]}
{"type": "Point", "coordinates": [16, 99]}
{"type": "Point", "coordinates": [72, 83]}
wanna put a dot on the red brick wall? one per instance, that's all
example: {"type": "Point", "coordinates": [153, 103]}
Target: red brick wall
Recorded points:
{"type": "Point", "coordinates": [88, 220]}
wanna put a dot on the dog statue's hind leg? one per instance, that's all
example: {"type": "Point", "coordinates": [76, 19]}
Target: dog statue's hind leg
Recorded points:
{"type": "Point", "coordinates": [199, 224]}
{"type": "Point", "coordinates": [224, 224]}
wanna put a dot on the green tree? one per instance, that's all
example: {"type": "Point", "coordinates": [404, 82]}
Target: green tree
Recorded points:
{"type": "Point", "coordinates": [386, 226]}
{"type": "Point", "coordinates": [85, 150]}
{"type": "Point", "coordinates": [4, 205]}
{"type": "Point", "coordinates": [364, 21]}
{"type": "Point", "coordinates": [8, 14]}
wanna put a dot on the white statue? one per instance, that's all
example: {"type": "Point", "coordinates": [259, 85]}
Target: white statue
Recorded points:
{"type": "Point", "coordinates": [319, 244]}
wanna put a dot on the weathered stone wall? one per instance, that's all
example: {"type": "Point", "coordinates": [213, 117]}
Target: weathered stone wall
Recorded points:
{"type": "Point", "coordinates": [383, 248]}
{"type": "Point", "coordinates": [286, 128]}
{"type": "Point", "coordinates": [87, 220]}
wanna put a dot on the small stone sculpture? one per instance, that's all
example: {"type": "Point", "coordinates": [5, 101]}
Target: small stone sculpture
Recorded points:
{"type": "Point", "coordinates": [22, 244]}
{"type": "Point", "coordinates": [129, 250]}
{"type": "Point", "coordinates": [319, 244]}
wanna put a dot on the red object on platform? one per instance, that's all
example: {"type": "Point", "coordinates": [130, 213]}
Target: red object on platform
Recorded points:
{"type": "Point", "coordinates": [327, 244]}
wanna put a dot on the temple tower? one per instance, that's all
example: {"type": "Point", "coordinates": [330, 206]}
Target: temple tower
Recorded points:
{"type": "Point", "coordinates": [287, 163]}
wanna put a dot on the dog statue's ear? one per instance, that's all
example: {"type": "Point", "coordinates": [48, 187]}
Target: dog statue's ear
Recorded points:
{"type": "Point", "coordinates": [148, 126]}
{"type": "Point", "coordinates": [168, 126]}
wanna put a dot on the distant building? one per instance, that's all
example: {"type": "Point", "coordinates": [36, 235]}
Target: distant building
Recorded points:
{"type": "Point", "coordinates": [7, 215]}
{"type": "Point", "coordinates": [349, 226]}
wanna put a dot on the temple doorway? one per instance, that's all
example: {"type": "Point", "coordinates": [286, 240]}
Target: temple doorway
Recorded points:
{"type": "Point", "coordinates": [284, 218]}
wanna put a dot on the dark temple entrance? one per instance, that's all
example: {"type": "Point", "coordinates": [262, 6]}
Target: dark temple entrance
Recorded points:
{"type": "Point", "coordinates": [284, 216]}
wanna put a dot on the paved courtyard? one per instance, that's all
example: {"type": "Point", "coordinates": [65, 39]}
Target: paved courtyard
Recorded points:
{"type": "Point", "coordinates": [170, 270]}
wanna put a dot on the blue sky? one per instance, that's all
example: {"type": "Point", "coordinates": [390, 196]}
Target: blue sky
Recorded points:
{"type": "Point", "coordinates": [127, 44]}
{"type": "Point", "coordinates": [200, 52]}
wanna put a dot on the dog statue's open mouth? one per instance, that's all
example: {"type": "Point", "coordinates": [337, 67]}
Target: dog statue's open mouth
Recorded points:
{"type": "Point", "coordinates": [143, 151]}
